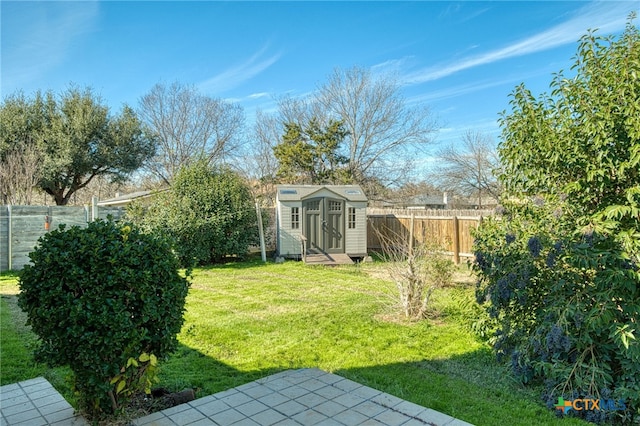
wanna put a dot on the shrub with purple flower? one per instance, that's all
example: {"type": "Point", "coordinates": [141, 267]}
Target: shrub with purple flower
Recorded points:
{"type": "Point", "coordinates": [541, 288]}
{"type": "Point", "coordinates": [574, 321]}
{"type": "Point", "coordinates": [535, 246]}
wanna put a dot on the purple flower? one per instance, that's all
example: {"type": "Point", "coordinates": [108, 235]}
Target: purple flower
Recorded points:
{"type": "Point", "coordinates": [535, 246]}
{"type": "Point", "coordinates": [588, 237]}
{"type": "Point", "coordinates": [551, 259]}
{"type": "Point", "coordinates": [504, 293]}
{"type": "Point", "coordinates": [557, 246]}
{"type": "Point", "coordinates": [481, 261]}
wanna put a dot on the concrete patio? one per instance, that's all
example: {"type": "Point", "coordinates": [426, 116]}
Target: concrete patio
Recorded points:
{"type": "Point", "coordinates": [292, 397]}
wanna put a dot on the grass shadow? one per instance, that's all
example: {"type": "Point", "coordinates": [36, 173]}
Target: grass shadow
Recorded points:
{"type": "Point", "coordinates": [460, 387]}
{"type": "Point", "coordinates": [250, 261]}
{"type": "Point", "coordinates": [190, 368]}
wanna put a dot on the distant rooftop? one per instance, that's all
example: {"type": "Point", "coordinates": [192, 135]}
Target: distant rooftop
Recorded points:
{"type": "Point", "coordinates": [123, 200]}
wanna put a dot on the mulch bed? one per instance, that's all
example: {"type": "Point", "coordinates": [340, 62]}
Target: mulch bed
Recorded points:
{"type": "Point", "coordinates": [141, 404]}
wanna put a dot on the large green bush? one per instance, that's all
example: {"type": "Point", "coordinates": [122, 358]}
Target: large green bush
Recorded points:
{"type": "Point", "coordinates": [97, 297]}
{"type": "Point", "coordinates": [559, 269]}
{"type": "Point", "coordinates": [208, 212]}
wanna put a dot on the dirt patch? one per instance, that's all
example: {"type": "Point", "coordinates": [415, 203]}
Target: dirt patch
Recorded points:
{"type": "Point", "coordinates": [141, 405]}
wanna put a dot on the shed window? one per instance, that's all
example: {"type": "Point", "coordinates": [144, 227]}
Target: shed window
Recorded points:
{"type": "Point", "coordinates": [335, 206]}
{"type": "Point", "coordinates": [295, 218]}
{"type": "Point", "coordinates": [352, 218]}
{"type": "Point", "coordinates": [313, 205]}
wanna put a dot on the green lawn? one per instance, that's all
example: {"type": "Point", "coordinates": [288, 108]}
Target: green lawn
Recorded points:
{"type": "Point", "coordinates": [248, 320]}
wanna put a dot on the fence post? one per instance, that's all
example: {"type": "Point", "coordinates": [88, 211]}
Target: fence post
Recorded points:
{"type": "Point", "coordinates": [94, 209]}
{"type": "Point", "coordinates": [456, 240]}
{"type": "Point", "coordinates": [411, 224]}
{"type": "Point", "coordinates": [261, 232]}
{"type": "Point", "coordinates": [9, 238]}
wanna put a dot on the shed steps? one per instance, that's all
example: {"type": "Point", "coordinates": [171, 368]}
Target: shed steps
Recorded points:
{"type": "Point", "coordinates": [328, 259]}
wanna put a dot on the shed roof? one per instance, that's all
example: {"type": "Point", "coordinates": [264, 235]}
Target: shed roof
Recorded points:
{"type": "Point", "coordinates": [299, 192]}
{"type": "Point", "coordinates": [123, 200]}
{"type": "Point", "coordinates": [428, 199]}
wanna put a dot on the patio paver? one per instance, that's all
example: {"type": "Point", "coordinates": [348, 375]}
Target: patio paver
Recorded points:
{"type": "Point", "coordinates": [35, 402]}
{"type": "Point", "coordinates": [292, 397]}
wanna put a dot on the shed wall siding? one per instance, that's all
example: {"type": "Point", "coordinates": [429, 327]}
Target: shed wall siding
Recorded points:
{"type": "Point", "coordinates": [356, 239]}
{"type": "Point", "coordinates": [288, 239]}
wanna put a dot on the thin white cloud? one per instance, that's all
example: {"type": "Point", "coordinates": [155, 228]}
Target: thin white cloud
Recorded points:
{"type": "Point", "coordinates": [455, 91]}
{"type": "Point", "coordinates": [391, 66]}
{"type": "Point", "coordinates": [473, 15]}
{"type": "Point", "coordinates": [258, 95]}
{"type": "Point", "coordinates": [38, 36]}
{"type": "Point", "coordinates": [607, 17]}
{"type": "Point", "coordinates": [248, 98]}
{"type": "Point", "coordinates": [452, 135]}
{"type": "Point", "coordinates": [237, 75]}
{"type": "Point", "coordinates": [465, 89]}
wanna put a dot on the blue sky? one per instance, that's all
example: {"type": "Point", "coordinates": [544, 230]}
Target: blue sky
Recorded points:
{"type": "Point", "coordinates": [462, 59]}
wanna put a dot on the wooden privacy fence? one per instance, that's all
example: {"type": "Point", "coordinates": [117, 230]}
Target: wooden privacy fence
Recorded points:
{"type": "Point", "coordinates": [453, 233]}
{"type": "Point", "coordinates": [22, 226]}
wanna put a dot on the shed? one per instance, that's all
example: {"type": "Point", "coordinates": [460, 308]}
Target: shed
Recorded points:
{"type": "Point", "coordinates": [323, 218]}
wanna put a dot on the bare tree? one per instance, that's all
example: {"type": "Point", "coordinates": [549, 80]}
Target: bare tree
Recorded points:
{"type": "Point", "coordinates": [261, 166]}
{"type": "Point", "coordinates": [267, 133]}
{"type": "Point", "coordinates": [189, 126]}
{"type": "Point", "coordinates": [20, 172]}
{"type": "Point", "coordinates": [385, 134]}
{"type": "Point", "coordinates": [417, 269]}
{"type": "Point", "coordinates": [468, 168]}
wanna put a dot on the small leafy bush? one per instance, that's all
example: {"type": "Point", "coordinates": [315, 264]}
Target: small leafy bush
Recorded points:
{"type": "Point", "coordinates": [99, 296]}
{"type": "Point", "coordinates": [209, 214]}
{"type": "Point", "coordinates": [140, 373]}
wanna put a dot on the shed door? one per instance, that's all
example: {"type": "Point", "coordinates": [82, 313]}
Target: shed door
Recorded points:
{"type": "Point", "coordinates": [333, 226]}
{"type": "Point", "coordinates": [312, 225]}
{"type": "Point", "coordinates": [324, 225]}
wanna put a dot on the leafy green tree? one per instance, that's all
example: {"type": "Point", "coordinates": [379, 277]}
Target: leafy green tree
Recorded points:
{"type": "Point", "coordinates": [98, 296]}
{"type": "Point", "coordinates": [76, 138]}
{"type": "Point", "coordinates": [209, 213]}
{"type": "Point", "coordinates": [311, 154]}
{"type": "Point", "coordinates": [560, 270]}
